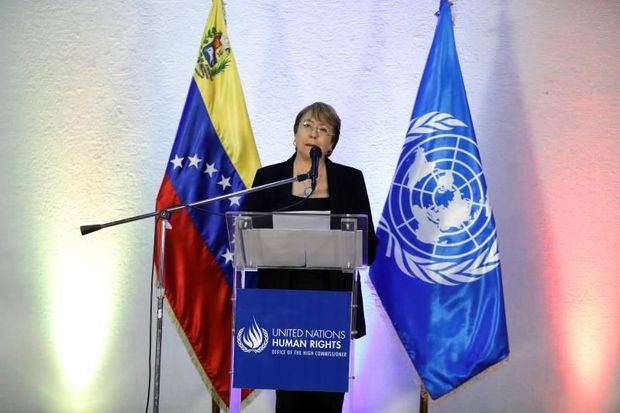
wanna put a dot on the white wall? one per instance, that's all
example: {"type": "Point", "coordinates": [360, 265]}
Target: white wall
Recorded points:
{"type": "Point", "coordinates": [91, 96]}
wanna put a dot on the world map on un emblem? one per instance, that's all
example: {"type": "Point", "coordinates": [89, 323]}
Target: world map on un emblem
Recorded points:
{"type": "Point", "coordinates": [439, 222]}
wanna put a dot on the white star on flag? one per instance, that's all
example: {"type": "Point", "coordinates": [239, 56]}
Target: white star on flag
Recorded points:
{"type": "Point", "coordinates": [234, 200]}
{"type": "Point", "coordinates": [228, 255]}
{"type": "Point", "coordinates": [210, 169]}
{"type": "Point", "coordinates": [194, 160]}
{"type": "Point", "coordinates": [177, 162]}
{"type": "Point", "coordinates": [224, 182]}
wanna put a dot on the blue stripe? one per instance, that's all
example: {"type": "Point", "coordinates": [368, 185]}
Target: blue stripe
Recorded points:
{"type": "Point", "coordinates": [196, 136]}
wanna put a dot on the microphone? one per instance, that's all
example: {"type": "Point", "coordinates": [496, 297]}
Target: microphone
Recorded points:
{"type": "Point", "coordinates": [315, 155]}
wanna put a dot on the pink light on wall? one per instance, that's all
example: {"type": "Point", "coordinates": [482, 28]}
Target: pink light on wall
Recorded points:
{"type": "Point", "coordinates": [582, 267]}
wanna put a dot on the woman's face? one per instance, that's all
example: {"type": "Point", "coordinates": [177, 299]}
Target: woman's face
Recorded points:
{"type": "Point", "coordinates": [312, 132]}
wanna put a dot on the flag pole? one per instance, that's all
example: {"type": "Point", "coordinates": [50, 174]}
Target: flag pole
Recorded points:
{"type": "Point", "coordinates": [423, 400]}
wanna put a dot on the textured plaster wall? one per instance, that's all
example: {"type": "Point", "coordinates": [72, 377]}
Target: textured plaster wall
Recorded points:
{"type": "Point", "coordinates": [90, 98]}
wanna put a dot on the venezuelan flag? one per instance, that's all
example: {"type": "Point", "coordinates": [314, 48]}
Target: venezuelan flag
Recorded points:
{"type": "Point", "coordinates": [214, 153]}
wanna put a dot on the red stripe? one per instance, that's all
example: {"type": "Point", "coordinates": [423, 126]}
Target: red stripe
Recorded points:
{"type": "Point", "coordinates": [197, 293]}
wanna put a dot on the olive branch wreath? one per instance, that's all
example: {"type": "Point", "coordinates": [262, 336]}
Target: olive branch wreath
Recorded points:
{"type": "Point", "coordinates": [248, 349]}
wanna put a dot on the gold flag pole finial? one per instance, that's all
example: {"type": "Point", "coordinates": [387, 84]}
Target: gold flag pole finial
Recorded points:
{"type": "Point", "coordinates": [453, 9]}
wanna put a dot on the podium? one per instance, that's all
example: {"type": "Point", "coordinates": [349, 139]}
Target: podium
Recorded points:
{"type": "Point", "coordinates": [295, 339]}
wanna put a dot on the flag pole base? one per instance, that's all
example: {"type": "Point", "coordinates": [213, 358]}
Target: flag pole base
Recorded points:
{"type": "Point", "coordinates": [423, 400]}
{"type": "Point", "coordinates": [215, 408]}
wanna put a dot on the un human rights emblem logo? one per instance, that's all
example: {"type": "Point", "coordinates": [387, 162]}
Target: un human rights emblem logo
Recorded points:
{"type": "Point", "coordinates": [254, 339]}
{"type": "Point", "coordinates": [438, 218]}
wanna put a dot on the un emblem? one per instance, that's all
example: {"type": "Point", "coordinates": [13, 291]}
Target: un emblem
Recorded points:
{"type": "Point", "coordinates": [438, 218]}
{"type": "Point", "coordinates": [254, 339]}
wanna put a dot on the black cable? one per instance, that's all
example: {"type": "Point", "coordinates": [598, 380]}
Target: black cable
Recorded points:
{"type": "Point", "coordinates": [208, 211]}
{"type": "Point", "coordinates": [148, 391]}
{"type": "Point", "coordinates": [284, 208]}
{"type": "Point", "coordinates": [301, 201]}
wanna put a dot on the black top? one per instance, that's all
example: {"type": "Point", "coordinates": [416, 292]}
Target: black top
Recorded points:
{"type": "Point", "coordinates": [347, 195]}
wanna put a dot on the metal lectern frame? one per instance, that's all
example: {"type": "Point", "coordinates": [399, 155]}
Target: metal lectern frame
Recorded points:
{"type": "Point", "coordinates": [343, 246]}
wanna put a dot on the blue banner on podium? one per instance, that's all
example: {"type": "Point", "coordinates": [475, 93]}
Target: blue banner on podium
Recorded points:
{"type": "Point", "coordinates": [292, 340]}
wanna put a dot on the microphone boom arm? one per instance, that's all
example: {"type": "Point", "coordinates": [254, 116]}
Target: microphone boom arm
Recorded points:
{"type": "Point", "coordinates": [165, 212]}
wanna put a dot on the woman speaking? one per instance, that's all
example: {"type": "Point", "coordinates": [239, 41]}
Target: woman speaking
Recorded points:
{"type": "Point", "coordinates": [338, 189]}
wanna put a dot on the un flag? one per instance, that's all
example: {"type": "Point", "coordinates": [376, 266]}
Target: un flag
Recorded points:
{"type": "Point", "coordinates": [437, 269]}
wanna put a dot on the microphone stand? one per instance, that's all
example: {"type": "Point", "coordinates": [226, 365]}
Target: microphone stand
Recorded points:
{"type": "Point", "coordinates": [164, 214]}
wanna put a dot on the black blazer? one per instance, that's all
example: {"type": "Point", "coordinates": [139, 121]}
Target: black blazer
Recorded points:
{"type": "Point", "coordinates": [347, 195]}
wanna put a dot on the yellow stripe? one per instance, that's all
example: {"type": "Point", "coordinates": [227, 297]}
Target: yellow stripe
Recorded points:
{"type": "Point", "coordinates": [223, 98]}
